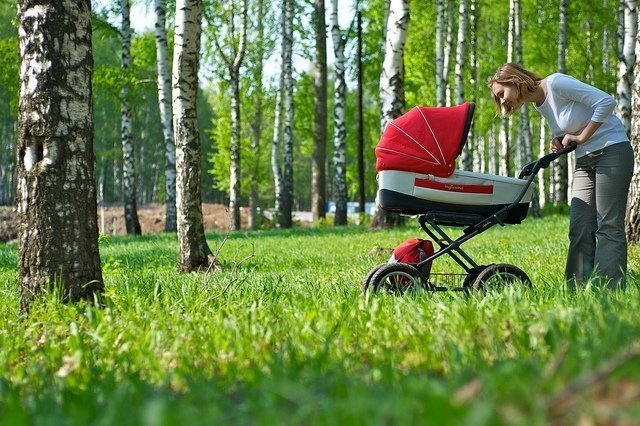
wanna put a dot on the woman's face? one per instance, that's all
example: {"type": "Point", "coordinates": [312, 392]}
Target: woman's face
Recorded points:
{"type": "Point", "coordinates": [508, 95]}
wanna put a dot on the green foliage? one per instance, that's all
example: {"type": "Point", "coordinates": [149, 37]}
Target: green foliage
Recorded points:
{"type": "Point", "coordinates": [287, 337]}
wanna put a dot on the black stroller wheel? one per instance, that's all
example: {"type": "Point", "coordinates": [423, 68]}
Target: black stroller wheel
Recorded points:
{"type": "Point", "coordinates": [396, 278]}
{"type": "Point", "coordinates": [366, 283]}
{"type": "Point", "coordinates": [499, 275]}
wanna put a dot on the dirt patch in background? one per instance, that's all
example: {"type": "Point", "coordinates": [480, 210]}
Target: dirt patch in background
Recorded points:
{"type": "Point", "coordinates": [151, 217]}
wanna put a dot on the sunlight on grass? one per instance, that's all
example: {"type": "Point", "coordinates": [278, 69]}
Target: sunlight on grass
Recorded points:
{"type": "Point", "coordinates": [291, 338]}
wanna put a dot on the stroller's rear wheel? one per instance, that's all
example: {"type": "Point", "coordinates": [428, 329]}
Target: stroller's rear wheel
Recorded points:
{"type": "Point", "coordinates": [366, 283]}
{"type": "Point", "coordinates": [499, 275]}
{"type": "Point", "coordinates": [396, 278]}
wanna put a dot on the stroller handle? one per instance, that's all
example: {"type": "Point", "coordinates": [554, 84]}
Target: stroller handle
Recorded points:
{"type": "Point", "coordinates": [543, 163]}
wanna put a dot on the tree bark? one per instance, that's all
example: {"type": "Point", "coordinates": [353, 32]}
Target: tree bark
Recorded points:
{"type": "Point", "coordinates": [359, 115]}
{"type": "Point", "coordinates": [560, 166]}
{"type": "Point", "coordinates": [339, 126]}
{"type": "Point", "coordinates": [166, 116]}
{"type": "Point", "coordinates": [286, 218]}
{"type": "Point", "coordinates": [56, 198]}
{"type": "Point", "coordinates": [319, 158]}
{"type": "Point", "coordinates": [463, 20]}
{"type": "Point", "coordinates": [256, 125]}
{"type": "Point", "coordinates": [626, 61]}
{"type": "Point", "coordinates": [633, 205]}
{"type": "Point", "coordinates": [392, 84]}
{"type": "Point", "coordinates": [128, 153]}
{"type": "Point", "coordinates": [440, 81]}
{"type": "Point", "coordinates": [194, 251]}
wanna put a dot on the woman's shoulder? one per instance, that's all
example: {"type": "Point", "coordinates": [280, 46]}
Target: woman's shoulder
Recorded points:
{"type": "Point", "coordinates": [558, 77]}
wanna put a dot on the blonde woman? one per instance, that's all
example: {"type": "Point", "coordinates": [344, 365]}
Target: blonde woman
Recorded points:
{"type": "Point", "coordinates": [580, 113]}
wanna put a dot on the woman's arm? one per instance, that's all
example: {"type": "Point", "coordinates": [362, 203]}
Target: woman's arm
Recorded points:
{"type": "Point", "coordinates": [584, 135]}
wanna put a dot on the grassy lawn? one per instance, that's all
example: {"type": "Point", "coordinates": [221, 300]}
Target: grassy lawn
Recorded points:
{"type": "Point", "coordinates": [286, 337]}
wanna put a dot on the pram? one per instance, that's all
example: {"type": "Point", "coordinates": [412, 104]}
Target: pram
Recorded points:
{"type": "Point", "coordinates": [416, 176]}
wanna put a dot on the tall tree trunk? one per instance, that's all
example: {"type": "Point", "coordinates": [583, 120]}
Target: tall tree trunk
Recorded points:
{"type": "Point", "coordinates": [359, 115]}
{"type": "Point", "coordinates": [477, 144]}
{"type": "Point", "coordinates": [319, 158]}
{"type": "Point", "coordinates": [440, 26]}
{"type": "Point", "coordinates": [633, 205]}
{"type": "Point", "coordinates": [56, 200]}
{"type": "Point", "coordinates": [235, 172]}
{"type": "Point", "coordinates": [256, 125]}
{"type": "Point", "coordinates": [392, 84]}
{"type": "Point", "coordinates": [166, 116]}
{"type": "Point", "coordinates": [128, 153]}
{"type": "Point", "coordinates": [626, 61]}
{"type": "Point", "coordinates": [560, 166]}
{"type": "Point", "coordinates": [286, 218]}
{"type": "Point", "coordinates": [276, 149]}
{"type": "Point", "coordinates": [339, 126]}
{"type": "Point", "coordinates": [463, 20]}
{"type": "Point", "coordinates": [448, 49]}
{"type": "Point", "coordinates": [542, 181]}
{"type": "Point", "coordinates": [234, 60]}
{"type": "Point", "coordinates": [194, 251]}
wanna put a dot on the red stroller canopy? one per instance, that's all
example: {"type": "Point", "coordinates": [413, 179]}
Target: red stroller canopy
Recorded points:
{"type": "Point", "coordinates": [425, 140]}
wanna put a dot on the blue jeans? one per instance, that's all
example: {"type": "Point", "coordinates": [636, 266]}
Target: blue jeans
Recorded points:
{"type": "Point", "coordinates": [597, 238]}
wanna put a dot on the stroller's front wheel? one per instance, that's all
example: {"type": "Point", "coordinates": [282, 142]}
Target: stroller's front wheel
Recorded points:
{"type": "Point", "coordinates": [499, 275]}
{"type": "Point", "coordinates": [395, 278]}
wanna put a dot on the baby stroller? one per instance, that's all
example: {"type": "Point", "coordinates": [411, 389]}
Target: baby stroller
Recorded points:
{"type": "Point", "coordinates": [417, 176]}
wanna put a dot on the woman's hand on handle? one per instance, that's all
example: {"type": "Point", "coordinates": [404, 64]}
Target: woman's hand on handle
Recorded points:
{"type": "Point", "coordinates": [556, 144]}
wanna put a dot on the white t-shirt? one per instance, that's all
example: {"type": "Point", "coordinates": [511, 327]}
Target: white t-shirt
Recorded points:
{"type": "Point", "coordinates": [570, 105]}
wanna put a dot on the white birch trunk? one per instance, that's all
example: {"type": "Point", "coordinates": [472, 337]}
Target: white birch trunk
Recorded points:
{"type": "Point", "coordinates": [392, 75]}
{"type": "Point", "coordinates": [256, 125]}
{"type": "Point", "coordinates": [560, 166]}
{"type": "Point", "coordinates": [56, 196]}
{"type": "Point", "coordinates": [166, 116]}
{"type": "Point", "coordinates": [276, 148]}
{"type": "Point", "coordinates": [447, 51]}
{"type": "Point", "coordinates": [463, 20]}
{"type": "Point", "coordinates": [319, 158]}
{"type": "Point", "coordinates": [633, 205]}
{"type": "Point", "coordinates": [440, 24]}
{"type": "Point", "coordinates": [195, 254]}
{"type": "Point", "coordinates": [233, 64]}
{"type": "Point", "coordinates": [286, 219]}
{"type": "Point", "coordinates": [542, 180]}
{"type": "Point", "coordinates": [392, 83]}
{"type": "Point", "coordinates": [626, 62]}
{"type": "Point", "coordinates": [339, 126]}
{"type": "Point", "coordinates": [132, 223]}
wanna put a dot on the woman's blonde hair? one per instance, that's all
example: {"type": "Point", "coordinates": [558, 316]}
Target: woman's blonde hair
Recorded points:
{"type": "Point", "coordinates": [511, 74]}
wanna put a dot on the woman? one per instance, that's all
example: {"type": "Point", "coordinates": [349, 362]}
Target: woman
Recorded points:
{"type": "Point", "coordinates": [580, 113]}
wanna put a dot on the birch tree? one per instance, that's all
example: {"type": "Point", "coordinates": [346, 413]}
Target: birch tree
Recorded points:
{"type": "Point", "coordinates": [560, 166]}
{"type": "Point", "coordinates": [276, 144]}
{"type": "Point", "coordinates": [633, 206]}
{"type": "Point", "coordinates": [392, 82]}
{"type": "Point", "coordinates": [232, 55]}
{"type": "Point", "coordinates": [194, 251]}
{"type": "Point", "coordinates": [441, 84]}
{"type": "Point", "coordinates": [256, 125]}
{"type": "Point", "coordinates": [128, 154]}
{"type": "Point", "coordinates": [286, 219]}
{"type": "Point", "coordinates": [319, 158]}
{"type": "Point", "coordinates": [360, 114]}
{"type": "Point", "coordinates": [56, 196]}
{"type": "Point", "coordinates": [626, 60]}
{"type": "Point", "coordinates": [463, 20]}
{"type": "Point", "coordinates": [339, 126]}
{"type": "Point", "coordinates": [166, 116]}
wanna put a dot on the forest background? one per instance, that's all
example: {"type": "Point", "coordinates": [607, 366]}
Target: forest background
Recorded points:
{"type": "Point", "coordinates": [593, 46]}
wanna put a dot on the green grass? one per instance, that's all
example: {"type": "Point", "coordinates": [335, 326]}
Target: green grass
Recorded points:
{"type": "Point", "coordinates": [289, 338]}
